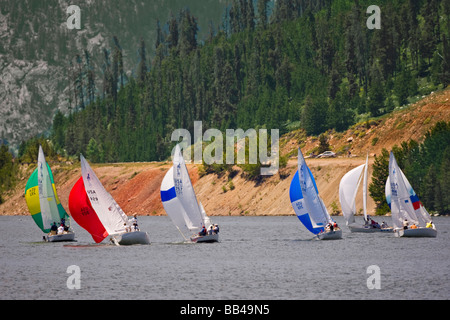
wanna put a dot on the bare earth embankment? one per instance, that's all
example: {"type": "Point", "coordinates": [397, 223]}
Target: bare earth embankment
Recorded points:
{"type": "Point", "coordinates": [135, 186]}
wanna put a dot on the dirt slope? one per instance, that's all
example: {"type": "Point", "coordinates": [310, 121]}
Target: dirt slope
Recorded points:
{"type": "Point", "coordinates": [135, 186]}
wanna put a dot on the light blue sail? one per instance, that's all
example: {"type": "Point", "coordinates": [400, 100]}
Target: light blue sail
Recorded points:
{"type": "Point", "coordinates": [298, 203]}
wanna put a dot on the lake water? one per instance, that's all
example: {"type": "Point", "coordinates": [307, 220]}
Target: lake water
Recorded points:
{"type": "Point", "coordinates": [264, 258]}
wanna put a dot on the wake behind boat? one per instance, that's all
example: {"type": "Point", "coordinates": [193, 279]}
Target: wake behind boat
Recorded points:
{"type": "Point", "coordinates": [348, 188]}
{"type": "Point", "coordinates": [308, 205]}
{"type": "Point", "coordinates": [95, 210]}
{"type": "Point", "coordinates": [409, 216]}
{"type": "Point", "coordinates": [181, 204]}
{"type": "Point", "coordinates": [44, 205]}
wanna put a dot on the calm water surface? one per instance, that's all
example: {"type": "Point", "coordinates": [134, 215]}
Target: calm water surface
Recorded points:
{"type": "Point", "coordinates": [257, 258]}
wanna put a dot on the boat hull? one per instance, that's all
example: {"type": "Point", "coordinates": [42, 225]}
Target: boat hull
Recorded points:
{"type": "Point", "coordinates": [70, 236]}
{"type": "Point", "coordinates": [363, 229]}
{"type": "Point", "coordinates": [208, 238]}
{"type": "Point", "coordinates": [131, 238]}
{"type": "Point", "coordinates": [416, 233]}
{"type": "Point", "coordinates": [330, 235]}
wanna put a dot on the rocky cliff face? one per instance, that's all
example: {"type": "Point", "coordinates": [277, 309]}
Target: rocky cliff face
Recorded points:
{"type": "Point", "coordinates": [36, 49]}
{"type": "Point", "coordinates": [30, 93]}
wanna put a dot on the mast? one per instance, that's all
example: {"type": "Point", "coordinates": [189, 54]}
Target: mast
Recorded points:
{"type": "Point", "coordinates": [365, 187]}
{"type": "Point", "coordinates": [47, 199]}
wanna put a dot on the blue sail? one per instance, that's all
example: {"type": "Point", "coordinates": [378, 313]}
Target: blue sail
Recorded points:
{"type": "Point", "coordinates": [297, 201]}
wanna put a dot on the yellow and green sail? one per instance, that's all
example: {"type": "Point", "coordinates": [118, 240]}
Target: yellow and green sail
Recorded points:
{"type": "Point", "coordinates": [44, 207]}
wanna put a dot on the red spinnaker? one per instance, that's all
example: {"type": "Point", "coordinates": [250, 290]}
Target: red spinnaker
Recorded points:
{"type": "Point", "coordinates": [83, 213]}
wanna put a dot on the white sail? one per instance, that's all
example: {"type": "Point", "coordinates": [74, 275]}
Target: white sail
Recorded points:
{"type": "Point", "coordinates": [108, 211]}
{"type": "Point", "coordinates": [185, 190]}
{"type": "Point", "coordinates": [206, 219]}
{"type": "Point", "coordinates": [173, 206]}
{"type": "Point", "coordinates": [179, 199]}
{"type": "Point", "coordinates": [348, 188]}
{"type": "Point", "coordinates": [404, 203]}
{"type": "Point", "coordinates": [47, 198]}
{"type": "Point", "coordinates": [365, 187]}
{"type": "Point", "coordinates": [317, 211]}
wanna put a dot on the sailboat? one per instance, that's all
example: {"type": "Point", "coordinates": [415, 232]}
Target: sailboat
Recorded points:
{"type": "Point", "coordinates": [44, 205]}
{"type": "Point", "coordinates": [95, 210]}
{"type": "Point", "coordinates": [181, 205]}
{"type": "Point", "coordinates": [308, 205]}
{"type": "Point", "coordinates": [348, 188]}
{"type": "Point", "coordinates": [409, 216]}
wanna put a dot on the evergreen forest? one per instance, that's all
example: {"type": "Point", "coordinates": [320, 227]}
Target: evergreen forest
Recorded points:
{"type": "Point", "coordinates": [281, 65]}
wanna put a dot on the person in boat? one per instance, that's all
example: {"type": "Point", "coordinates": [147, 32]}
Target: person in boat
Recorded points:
{"type": "Point", "coordinates": [429, 224]}
{"type": "Point", "coordinates": [405, 224]}
{"type": "Point", "coordinates": [210, 230]}
{"type": "Point", "coordinates": [127, 227]}
{"type": "Point", "coordinates": [216, 229]}
{"type": "Point", "coordinates": [202, 232]}
{"type": "Point", "coordinates": [329, 227]}
{"type": "Point", "coordinates": [384, 225]}
{"type": "Point", "coordinates": [413, 226]}
{"type": "Point", "coordinates": [63, 221]}
{"type": "Point", "coordinates": [61, 229]}
{"type": "Point", "coordinates": [375, 224]}
{"type": "Point", "coordinates": [53, 228]}
{"type": "Point", "coordinates": [135, 223]}
{"type": "Point", "coordinates": [335, 226]}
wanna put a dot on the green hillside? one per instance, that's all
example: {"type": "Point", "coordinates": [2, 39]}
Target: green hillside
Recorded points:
{"type": "Point", "coordinates": [309, 64]}
{"type": "Point", "coordinates": [39, 54]}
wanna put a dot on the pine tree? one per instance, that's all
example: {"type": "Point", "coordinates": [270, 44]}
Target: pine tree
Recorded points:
{"type": "Point", "coordinates": [118, 62]}
{"type": "Point", "coordinates": [250, 15]}
{"type": "Point", "coordinates": [445, 180]}
{"type": "Point", "coordinates": [90, 74]}
{"type": "Point", "coordinates": [188, 33]}
{"type": "Point", "coordinates": [172, 39]}
{"type": "Point", "coordinates": [262, 13]}
{"type": "Point", "coordinates": [379, 177]}
{"type": "Point", "coordinates": [314, 115]}
{"type": "Point", "coordinates": [159, 35]}
{"type": "Point", "coordinates": [142, 67]}
{"type": "Point", "coordinates": [375, 100]}
{"type": "Point", "coordinates": [79, 81]}
{"type": "Point", "coordinates": [429, 190]}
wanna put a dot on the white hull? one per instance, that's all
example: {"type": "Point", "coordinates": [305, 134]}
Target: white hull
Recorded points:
{"type": "Point", "coordinates": [130, 238]}
{"type": "Point", "coordinates": [70, 236]}
{"type": "Point", "coordinates": [363, 229]}
{"type": "Point", "coordinates": [207, 238]}
{"type": "Point", "coordinates": [417, 233]}
{"type": "Point", "coordinates": [330, 235]}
